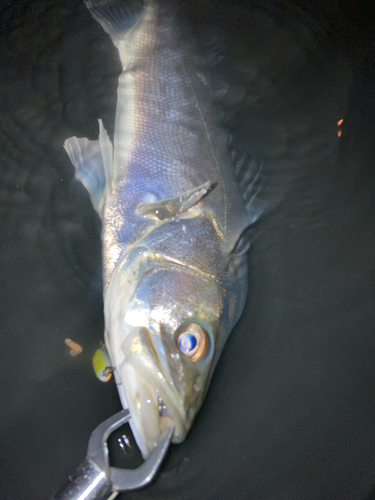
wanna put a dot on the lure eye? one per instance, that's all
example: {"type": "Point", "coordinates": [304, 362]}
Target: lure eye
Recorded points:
{"type": "Point", "coordinates": [192, 341]}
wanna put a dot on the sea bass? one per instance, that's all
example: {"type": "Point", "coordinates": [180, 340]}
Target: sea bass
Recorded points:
{"type": "Point", "coordinates": [173, 216]}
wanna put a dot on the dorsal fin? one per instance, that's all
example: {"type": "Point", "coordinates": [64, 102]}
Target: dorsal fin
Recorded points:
{"type": "Point", "coordinates": [250, 178]}
{"type": "Point", "coordinates": [93, 161]}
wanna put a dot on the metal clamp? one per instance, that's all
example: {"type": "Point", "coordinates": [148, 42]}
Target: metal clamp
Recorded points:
{"type": "Point", "coordinates": [95, 479]}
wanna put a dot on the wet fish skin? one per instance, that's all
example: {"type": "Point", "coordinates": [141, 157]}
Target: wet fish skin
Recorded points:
{"type": "Point", "coordinates": [163, 268]}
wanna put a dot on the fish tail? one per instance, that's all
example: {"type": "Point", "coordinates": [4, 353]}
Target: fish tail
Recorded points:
{"type": "Point", "coordinates": [115, 17]}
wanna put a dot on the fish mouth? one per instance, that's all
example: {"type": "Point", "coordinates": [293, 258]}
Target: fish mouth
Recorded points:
{"type": "Point", "coordinates": [147, 390]}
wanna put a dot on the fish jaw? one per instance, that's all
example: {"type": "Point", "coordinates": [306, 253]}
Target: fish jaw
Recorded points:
{"type": "Point", "coordinates": [149, 392]}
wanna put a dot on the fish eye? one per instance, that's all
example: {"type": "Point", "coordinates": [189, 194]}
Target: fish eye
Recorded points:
{"type": "Point", "coordinates": [192, 341]}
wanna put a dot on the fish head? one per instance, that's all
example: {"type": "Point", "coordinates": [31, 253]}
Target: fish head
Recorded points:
{"type": "Point", "coordinates": [165, 328]}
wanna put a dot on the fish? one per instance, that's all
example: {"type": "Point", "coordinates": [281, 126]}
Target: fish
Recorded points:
{"type": "Point", "coordinates": [175, 217]}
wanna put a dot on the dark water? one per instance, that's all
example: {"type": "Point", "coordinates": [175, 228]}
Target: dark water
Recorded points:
{"type": "Point", "coordinates": [291, 409]}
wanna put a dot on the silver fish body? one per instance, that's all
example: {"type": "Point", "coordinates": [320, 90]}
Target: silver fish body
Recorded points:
{"type": "Point", "coordinates": [172, 214]}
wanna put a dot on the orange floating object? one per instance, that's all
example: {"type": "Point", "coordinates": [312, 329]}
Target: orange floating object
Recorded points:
{"type": "Point", "coordinates": [339, 132]}
{"type": "Point", "coordinates": [75, 348]}
{"type": "Point", "coordinates": [340, 122]}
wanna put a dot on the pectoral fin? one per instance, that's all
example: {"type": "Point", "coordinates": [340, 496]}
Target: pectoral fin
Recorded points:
{"type": "Point", "coordinates": [173, 207]}
{"type": "Point", "coordinates": [93, 161]}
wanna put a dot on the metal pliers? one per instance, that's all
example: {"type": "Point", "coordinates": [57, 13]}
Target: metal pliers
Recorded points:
{"type": "Point", "coordinates": [95, 479]}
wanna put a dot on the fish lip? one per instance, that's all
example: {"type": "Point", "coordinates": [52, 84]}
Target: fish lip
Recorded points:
{"type": "Point", "coordinates": [145, 382]}
{"type": "Point", "coordinates": [158, 412]}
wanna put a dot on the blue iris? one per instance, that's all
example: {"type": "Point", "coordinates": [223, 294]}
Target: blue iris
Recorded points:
{"type": "Point", "coordinates": [187, 342]}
